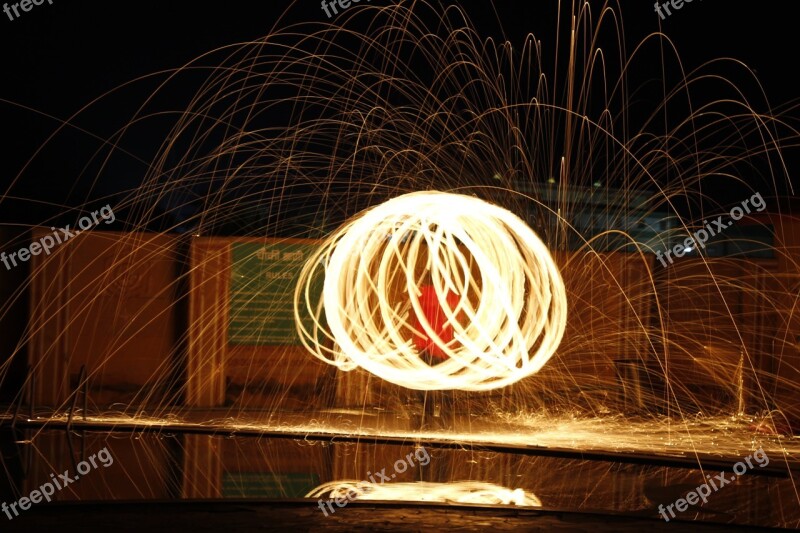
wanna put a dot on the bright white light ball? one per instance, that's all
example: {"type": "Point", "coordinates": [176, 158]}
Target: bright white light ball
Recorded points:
{"type": "Point", "coordinates": [505, 322]}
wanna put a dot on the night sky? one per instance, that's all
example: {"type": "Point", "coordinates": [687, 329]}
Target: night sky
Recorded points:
{"type": "Point", "coordinates": [58, 58]}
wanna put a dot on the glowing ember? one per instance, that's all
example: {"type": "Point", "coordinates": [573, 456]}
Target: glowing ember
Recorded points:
{"type": "Point", "coordinates": [505, 322]}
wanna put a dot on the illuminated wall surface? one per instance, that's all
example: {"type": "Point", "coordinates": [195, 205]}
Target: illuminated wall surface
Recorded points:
{"type": "Point", "coordinates": [702, 335]}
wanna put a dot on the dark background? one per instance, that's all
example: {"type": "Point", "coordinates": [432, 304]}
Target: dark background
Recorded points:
{"type": "Point", "coordinates": [59, 58]}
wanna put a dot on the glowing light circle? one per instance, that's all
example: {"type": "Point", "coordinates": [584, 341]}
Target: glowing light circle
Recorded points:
{"type": "Point", "coordinates": [511, 305]}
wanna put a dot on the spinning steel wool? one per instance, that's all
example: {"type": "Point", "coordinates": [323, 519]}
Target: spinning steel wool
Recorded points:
{"type": "Point", "coordinates": [510, 312]}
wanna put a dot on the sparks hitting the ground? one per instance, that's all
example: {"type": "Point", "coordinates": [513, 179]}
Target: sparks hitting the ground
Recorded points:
{"type": "Point", "coordinates": [509, 316]}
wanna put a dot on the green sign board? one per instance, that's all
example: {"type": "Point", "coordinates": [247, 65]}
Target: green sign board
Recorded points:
{"type": "Point", "coordinates": [263, 279]}
{"type": "Point", "coordinates": [267, 485]}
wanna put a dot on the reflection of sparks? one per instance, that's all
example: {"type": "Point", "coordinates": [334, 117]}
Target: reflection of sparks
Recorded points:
{"type": "Point", "coordinates": [470, 492]}
{"type": "Point", "coordinates": [510, 293]}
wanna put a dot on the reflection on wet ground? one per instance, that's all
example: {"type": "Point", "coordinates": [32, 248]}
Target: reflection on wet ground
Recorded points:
{"type": "Point", "coordinates": [173, 465]}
